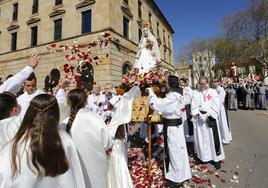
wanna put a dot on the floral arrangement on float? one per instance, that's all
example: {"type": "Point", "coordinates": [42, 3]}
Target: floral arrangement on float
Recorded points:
{"type": "Point", "coordinates": [155, 78]}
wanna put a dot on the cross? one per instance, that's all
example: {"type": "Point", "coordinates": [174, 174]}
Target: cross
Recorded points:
{"type": "Point", "coordinates": [209, 97]}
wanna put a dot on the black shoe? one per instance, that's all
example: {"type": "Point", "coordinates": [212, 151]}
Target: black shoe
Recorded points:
{"type": "Point", "coordinates": [217, 165]}
{"type": "Point", "coordinates": [198, 161]}
{"type": "Point", "coordinates": [171, 184]}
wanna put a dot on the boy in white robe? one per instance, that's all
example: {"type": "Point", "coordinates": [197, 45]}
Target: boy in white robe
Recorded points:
{"type": "Point", "coordinates": [206, 106]}
{"type": "Point", "coordinates": [30, 92]}
{"type": "Point", "coordinates": [10, 122]}
{"type": "Point", "coordinates": [13, 84]}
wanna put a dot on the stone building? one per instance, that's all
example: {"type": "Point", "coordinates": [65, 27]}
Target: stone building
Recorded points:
{"type": "Point", "coordinates": [29, 26]}
{"type": "Point", "coordinates": [202, 65]}
{"type": "Point", "coordinates": [184, 70]}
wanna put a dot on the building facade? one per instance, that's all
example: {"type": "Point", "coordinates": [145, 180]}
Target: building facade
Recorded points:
{"type": "Point", "coordinates": [184, 70]}
{"type": "Point", "coordinates": [29, 26]}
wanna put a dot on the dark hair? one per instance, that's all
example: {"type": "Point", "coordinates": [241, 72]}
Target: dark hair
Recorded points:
{"type": "Point", "coordinates": [183, 79]}
{"type": "Point", "coordinates": [9, 76]}
{"type": "Point", "coordinates": [7, 102]}
{"type": "Point", "coordinates": [31, 77]}
{"type": "Point", "coordinates": [76, 99]}
{"type": "Point", "coordinates": [40, 128]}
{"type": "Point", "coordinates": [55, 73]}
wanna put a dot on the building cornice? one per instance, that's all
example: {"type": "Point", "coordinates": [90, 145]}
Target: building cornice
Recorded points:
{"type": "Point", "coordinates": [126, 10]}
{"type": "Point", "coordinates": [56, 13]}
{"type": "Point", "coordinates": [85, 3]}
{"type": "Point", "coordinates": [33, 20]}
{"type": "Point", "coordinates": [157, 10]}
{"type": "Point", "coordinates": [13, 27]}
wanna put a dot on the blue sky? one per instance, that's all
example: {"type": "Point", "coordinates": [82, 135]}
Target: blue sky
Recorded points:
{"type": "Point", "coordinates": [193, 19]}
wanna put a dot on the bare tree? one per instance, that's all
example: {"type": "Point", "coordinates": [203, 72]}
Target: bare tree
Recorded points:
{"type": "Point", "coordinates": [246, 35]}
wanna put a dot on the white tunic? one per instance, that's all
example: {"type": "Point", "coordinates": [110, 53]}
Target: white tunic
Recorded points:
{"type": "Point", "coordinates": [8, 129]}
{"type": "Point", "coordinates": [73, 178]}
{"type": "Point", "coordinates": [119, 176]}
{"type": "Point", "coordinates": [223, 123]}
{"type": "Point", "coordinates": [13, 84]}
{"type": "Point", "coordinates": [187, 97]}
{"type": "Point", "coordinates": [207, 100]}
{"type": "Point", "coordinates": [91, 138]}
{"type": "Point", "coordinates": [25, 99]}
{"type": "Point", "coordinates": [95, 102]}
{"type": "Point", "coordinates": [171, 108]}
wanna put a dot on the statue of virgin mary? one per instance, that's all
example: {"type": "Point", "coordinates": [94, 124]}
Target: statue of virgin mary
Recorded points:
{"type": "Point", "coordinates": [148, 53]}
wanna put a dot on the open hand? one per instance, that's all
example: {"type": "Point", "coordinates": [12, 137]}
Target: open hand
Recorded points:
{"type": "Point", "coordinates": [34, 60]}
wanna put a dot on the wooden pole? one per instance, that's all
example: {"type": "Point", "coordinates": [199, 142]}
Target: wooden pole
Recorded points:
{"type": "Point", "coordinates": [149, 151]}
{"type": "Point", "coordinates": [149, 135]}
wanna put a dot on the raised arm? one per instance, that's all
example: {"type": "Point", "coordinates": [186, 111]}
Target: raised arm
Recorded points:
{"type": "Point", "coordinates": [14, 83]}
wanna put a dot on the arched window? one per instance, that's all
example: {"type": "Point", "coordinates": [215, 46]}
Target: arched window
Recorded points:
{"type": "Point", "coordinates": [126, 68]}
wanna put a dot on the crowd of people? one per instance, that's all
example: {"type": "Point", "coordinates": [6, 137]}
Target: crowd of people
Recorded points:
{"type": "Point", "coordinates": [72, 138]}
{"type": "Point", "coordinates": [245, 93]}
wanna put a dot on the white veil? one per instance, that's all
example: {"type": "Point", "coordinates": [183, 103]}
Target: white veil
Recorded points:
{"type": "Point", "coordinates": [142, 44]}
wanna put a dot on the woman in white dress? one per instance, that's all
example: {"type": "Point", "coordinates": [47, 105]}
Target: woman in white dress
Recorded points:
{"type": "Point", "coordinates": [148, 53]}
{"type": "Point", "coordinates": [91, 138]}
{"type": "Point", "coordinates": [40, 155]}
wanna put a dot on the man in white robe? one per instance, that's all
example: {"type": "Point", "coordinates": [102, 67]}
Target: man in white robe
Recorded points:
{"type": "Point", "coordinates": [188, 124]}
{"type": "Point", "coordinates": [176, 157]}
{"type": "Point", "coordinates": [223, 121]}
{"type": "Point", "coordinates": [96, 100]}
{"type": "Point", "coordinates": [30, 92]}
{"type": "Point", "coordinates": [205, 109]}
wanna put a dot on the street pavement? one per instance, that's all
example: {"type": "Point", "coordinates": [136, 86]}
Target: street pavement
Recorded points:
{"type": "Point", "coordinates": [246, 163]}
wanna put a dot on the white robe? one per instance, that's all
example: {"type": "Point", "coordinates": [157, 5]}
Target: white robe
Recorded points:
{"type": "Point", "coordinates": [91, 138]}
{"type": "Point", "coordinates": [94, 103]}
{"type": "Point", "coordinates": [187, 96]}
{"type": "Point", "coordinates": [207, 100]}
{"type": "Point", "coordinates": [13, 84]}
{"type": "Point", "coordinates": [25, 99]}
{"type": "Point", "coordinates": [8, 129]}
{"type": "Point", "coordinates": [62, 101]}
{"type": "Point", "coordinates": [73, 178]}
{"type": "Point", "coordinates": [119, 176]}
{"type": "Point", "coordinates": [147, 57]}
{"type": "Point", "coordinates": [171, 108]}
{"type": "Point", "coordinates": [223, 123]}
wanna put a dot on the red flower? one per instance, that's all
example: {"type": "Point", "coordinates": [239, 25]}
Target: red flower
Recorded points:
{"type": "Point", "coordinates": [53, 45]}
{"type": "Point", "coordinates": [66, 68]}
